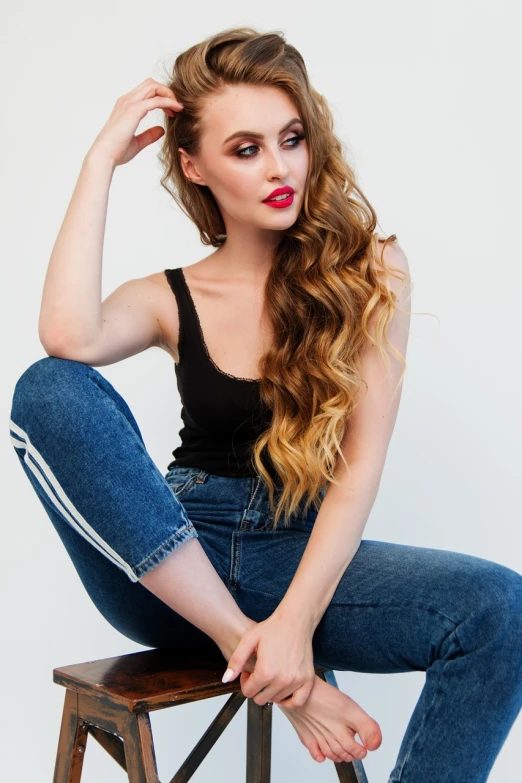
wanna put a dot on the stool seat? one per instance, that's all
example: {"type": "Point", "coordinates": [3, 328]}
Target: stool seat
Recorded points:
{"type": "Point", "coordinates": [149, 680]}
{"type": "Point", "coordinates": [111, 699]}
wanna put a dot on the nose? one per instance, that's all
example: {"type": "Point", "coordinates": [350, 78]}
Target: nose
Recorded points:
{"type": "Point", "coordinates": [276, 168]}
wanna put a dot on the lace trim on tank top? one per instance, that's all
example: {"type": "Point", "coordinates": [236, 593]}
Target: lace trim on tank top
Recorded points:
{"type": "Point", "coordinates": [202, 337]}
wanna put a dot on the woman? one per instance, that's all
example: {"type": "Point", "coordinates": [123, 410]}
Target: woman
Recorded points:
{"type": "Point", "coordinates": [289, 342]}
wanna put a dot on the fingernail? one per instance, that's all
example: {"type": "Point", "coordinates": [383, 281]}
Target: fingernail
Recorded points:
{"type": "Point", "coordinates": [227, 675]}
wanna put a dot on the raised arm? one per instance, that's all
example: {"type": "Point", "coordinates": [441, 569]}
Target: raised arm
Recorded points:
{"type": "Point", "coordinates": [74, 324]}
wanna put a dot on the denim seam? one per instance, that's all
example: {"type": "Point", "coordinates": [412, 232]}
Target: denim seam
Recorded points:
{"type": "Point", "coordinates": [429, 707]}
{"type": "Point", "coordinates": [167, 546]}
{"type": "Point", "coordinates": [427, 712]}
{"type": "Point", "coordinates": [236, 557]}
{"type": "Point", "coordinates": [256, 482]}
{"type": "Point", "coordinates": [263, 592]}
{"type": "Point", "coordinates": [180, 487]}
{"type": "Point", "coordinates": [402, 606]}
{"type": "Point", "coordinates": [456, 633]}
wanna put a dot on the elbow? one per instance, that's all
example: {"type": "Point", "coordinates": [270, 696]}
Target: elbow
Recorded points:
{"type": "Point", "coordinates": [62, 346]}
{"type": "Point", "coordinates": [54, 343]}
{"type": "Point", "coordinates": [49, 342]}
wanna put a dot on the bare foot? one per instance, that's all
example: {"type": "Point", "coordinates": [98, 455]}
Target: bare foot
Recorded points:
{"type": "Point", "coordinates": [328, 721]}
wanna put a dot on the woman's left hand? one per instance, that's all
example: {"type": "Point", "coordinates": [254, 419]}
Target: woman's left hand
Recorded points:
{"type": "Point", "coordinates": [284, 670]}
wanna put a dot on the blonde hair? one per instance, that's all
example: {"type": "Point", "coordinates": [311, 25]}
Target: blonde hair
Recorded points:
{"type": "Point", "coordinates": [323, 289]}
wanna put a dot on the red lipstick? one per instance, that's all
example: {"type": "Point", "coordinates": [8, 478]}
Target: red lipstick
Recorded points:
{"type": "Point", "coordinates": [287, 192]}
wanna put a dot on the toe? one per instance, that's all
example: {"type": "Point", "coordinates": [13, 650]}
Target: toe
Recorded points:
{"type": "Point", "coordinates": [351, 746]}
{"type": "Point", "coordinates": [340, 750]}
{"type": "Point", "coordinates": [372, 739]}
{"type": "Point", "coordinates": [325, 748]}
{"type": "Point", "coordinates": [315, 751]}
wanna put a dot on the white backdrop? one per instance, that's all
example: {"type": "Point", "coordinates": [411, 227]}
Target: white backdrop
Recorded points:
{"type": "Point", "coordinates": [427, 98]}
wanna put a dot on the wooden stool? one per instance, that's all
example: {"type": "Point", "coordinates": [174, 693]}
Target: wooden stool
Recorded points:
{"type": "Point", "coordinates": [111, 700]}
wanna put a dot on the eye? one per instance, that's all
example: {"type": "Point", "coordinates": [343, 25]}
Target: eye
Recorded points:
{"type": "Point", "coordinates": [297, 139]}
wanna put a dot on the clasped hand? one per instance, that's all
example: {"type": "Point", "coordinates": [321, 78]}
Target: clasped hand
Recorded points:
{"type": "Point", "coordinates": [284, 669]}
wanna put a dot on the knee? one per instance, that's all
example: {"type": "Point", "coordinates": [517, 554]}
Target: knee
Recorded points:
{"type": "Point", "coordinates": [48, 379]}
{"type": "Point", "coordinates": [503, 590]}
{"type": "Point", "coordinates": [497, 592]}
{"type": "Point", "coordinates": [50, 372]}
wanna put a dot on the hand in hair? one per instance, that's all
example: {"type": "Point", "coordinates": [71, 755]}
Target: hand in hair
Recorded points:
{"type": "Point", "coordinates": [117, 139]}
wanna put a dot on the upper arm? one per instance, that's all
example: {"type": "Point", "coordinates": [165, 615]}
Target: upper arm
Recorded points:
{"type": "Point", "coordinates": [131, 323]}
{"type": "Point", "coordinates": [370, 427]}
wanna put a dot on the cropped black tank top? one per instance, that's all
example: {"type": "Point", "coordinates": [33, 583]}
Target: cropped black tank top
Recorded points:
{"type": "Point", "coordinates": [222, 414]}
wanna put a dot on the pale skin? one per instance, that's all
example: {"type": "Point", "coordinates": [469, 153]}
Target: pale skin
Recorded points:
{"type": "Point", "coordinates": [228, 291]}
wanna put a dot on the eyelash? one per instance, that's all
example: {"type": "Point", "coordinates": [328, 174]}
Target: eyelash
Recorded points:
{"type": "Point", "coordinates": [299, 138]}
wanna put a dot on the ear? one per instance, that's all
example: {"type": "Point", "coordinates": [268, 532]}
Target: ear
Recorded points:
{"type": "Point", "coordinates": [190, 168]}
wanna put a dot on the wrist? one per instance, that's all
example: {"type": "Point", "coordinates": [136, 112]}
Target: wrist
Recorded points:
{"type": "Point", "coordinates": [233, 633]}
{"type": "Point", "coordinates": [98, 158]}
{"type": "Point", "coordinates": [303, 622]}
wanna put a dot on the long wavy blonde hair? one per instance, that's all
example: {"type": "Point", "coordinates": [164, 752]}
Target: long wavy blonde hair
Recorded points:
{"type": "Point", "coordinates": [322, 291]}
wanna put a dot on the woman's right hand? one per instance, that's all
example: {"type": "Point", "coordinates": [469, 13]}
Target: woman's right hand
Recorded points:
{"type": "Point", "coordinates": [117, 139]}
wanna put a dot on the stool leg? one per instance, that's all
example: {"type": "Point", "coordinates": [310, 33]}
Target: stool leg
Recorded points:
{"type": "Point", "coordinates": [259, 742]}
{"type": "Point", "coordinates": [72, 742]}
{"type": "Point", "coordinates": [140, 758]}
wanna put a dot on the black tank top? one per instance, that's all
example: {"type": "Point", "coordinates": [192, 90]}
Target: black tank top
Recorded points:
{"type": "Point", "coordinates": [221, 413]}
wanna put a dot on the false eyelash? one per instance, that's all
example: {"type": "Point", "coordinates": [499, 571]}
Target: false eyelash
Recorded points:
{"type": "Point", "coordinates": [299, 137]}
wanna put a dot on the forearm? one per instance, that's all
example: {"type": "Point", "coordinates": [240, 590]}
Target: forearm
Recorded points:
{"type": "Point", "coordinates": [187, 581]}
{"type": "Point", "coordinates": [333, 542]}
{"type": "Point", "coordinates": [71, 300]}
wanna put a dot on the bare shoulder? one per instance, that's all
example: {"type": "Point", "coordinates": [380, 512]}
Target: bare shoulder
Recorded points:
{"type": "Point", "coordinates": [395, 259]}
{"type": "Point", "coordinates": [392, 253]}
{"type": "Point", "coordinates": [395, 274]}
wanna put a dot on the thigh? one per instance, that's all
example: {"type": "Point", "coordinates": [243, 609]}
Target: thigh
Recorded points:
{"type": "Point", "coordinates": [75, 434]}
{"type": "Point", "coordinates": [396, 608]}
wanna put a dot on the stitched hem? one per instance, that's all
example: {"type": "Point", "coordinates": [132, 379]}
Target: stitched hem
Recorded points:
{"type": "Point", "coordinates": [155, 558]}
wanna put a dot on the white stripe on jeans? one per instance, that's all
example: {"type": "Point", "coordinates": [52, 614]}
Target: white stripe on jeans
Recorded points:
{"type": "Point", "coordinates": [45, 477]}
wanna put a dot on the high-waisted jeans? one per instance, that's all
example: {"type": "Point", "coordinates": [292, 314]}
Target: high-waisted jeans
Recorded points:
{"type": "Point", "coordinates": [397, 608]}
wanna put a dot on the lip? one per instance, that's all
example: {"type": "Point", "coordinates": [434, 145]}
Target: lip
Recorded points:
{"type": "Point", "coordinates": [280, 192]}
{"type": "Point", "coordinates": [282, 204]}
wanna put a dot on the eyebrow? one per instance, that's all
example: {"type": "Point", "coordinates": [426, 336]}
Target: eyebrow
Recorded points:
{"type": "Point", "coordinates": [259, 135]}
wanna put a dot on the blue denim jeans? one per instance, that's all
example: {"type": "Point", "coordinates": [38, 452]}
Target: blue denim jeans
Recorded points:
{"type": "Point", "coordinates": [397, 608]}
